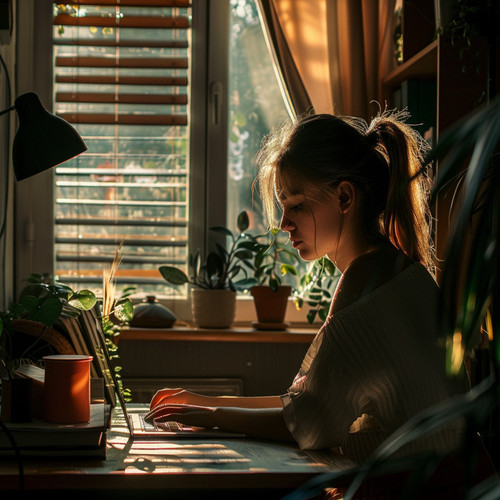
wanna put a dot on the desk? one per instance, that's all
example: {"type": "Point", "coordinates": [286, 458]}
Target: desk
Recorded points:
{"type": "Point", "coordinates": [186, 469]}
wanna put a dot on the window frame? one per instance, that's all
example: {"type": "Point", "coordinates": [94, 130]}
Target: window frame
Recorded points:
{"type": "Point", "coordinates": [34, 197]}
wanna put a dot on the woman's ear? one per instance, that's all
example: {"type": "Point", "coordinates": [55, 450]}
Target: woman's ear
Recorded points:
{"type": "Point", "coordinates": [347, 196]}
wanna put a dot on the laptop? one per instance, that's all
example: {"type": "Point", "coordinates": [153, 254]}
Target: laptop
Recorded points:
{"type": "Point", "coordinates": [135, 417]}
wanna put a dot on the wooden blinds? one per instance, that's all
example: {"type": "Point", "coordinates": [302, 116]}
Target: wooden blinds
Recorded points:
{"type": "Point", "coordinates": [122, 77]}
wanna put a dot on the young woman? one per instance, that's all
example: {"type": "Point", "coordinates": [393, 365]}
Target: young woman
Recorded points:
{"type": "Point", "coordinates": [350, 192]}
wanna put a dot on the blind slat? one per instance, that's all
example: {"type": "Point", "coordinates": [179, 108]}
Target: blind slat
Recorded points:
{"type": "Point", "coordinates": [179, 81]}
{"type": "Point", "coordinates": [121, 98]}
{"type": "Point", "coordinates": [111, 171]}
{"type": "Point", "coordinates": [146, 22]}
{"type": "Point", "coordinates": [62, 257]}
{"type": "Point", "coordinates": [132, 3]}
{"type": "Point", "coordinates": [89, 240]}
{"type": "Point", "coordinates": [104, 119]}
{"type": "Point", "coordinates": [127, 62]}
{"type": "Point", "coordinates": [162, 44]}
{"type": "Point", "coordinates": [82, 221]}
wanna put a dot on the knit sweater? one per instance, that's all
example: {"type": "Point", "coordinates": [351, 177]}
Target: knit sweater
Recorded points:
{"type": "Point", "coordinates": [372, 366]}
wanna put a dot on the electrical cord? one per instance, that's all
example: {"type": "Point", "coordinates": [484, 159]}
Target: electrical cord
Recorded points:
{"type": "Point", "coordinates": [3, 222]}
{"type": "Point", "coordinates": [7, 149]}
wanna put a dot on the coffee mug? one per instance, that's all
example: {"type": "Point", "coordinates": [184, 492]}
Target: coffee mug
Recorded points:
{"type": "Point", "coordinates": [66, 393]}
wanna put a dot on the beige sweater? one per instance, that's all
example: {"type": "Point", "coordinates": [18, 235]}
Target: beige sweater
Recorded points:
{"type": "Point", "coordinates": [372, 366]}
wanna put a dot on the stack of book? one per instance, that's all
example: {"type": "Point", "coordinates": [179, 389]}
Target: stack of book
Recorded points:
{"type": "Point", "coordinates": [39, 438]}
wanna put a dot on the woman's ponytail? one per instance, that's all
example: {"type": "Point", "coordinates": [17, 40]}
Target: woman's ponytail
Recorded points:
{"type": "Point", "coordinates": [406, 219]}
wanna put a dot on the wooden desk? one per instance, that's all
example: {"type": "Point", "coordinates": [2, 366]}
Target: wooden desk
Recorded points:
{"type": "Point", "coordinates": [186, 469]}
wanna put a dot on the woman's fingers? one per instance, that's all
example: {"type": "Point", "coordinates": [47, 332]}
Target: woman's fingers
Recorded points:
{"type": "Point", "coordinates": [163, 394]}
{"type": "Point", "coordinates": [186, 414]}
{"type": "Point", "coordinates": [171, 409]}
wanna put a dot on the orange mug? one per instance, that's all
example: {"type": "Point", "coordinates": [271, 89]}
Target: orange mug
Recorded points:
{"type": "Point", "coordinates": [66, 392]}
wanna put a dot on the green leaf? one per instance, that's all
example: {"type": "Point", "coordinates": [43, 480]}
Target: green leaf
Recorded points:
{"type": "Point", "coordinates": [243, 254]}
{"type": "Point", "coordinates": [124, 310]}
{"type": "Point", "coordinates": [311, 316]}
{"type": "Point", "coordinates": [246, 283]}
{"type": "Point", "coordinates": [48, 312]}
{"type": "Point", "coordinates": [243, 221]}
{"type": "Point", "coordinates": [288, 269]}
{"type": "Point", "coordinates": [323, 314]}
{"type": "Point", "coordinates": [173, 275]}
{"type": "Point", "coordinates": [29, 303]}
{"type": "Point", "coordinates": [274, 283]}
{"type": "Point", "coordinates": [84, 300]}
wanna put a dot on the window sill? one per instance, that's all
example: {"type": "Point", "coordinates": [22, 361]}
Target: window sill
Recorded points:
{"type": "Point", "coordinates": [294, 335]}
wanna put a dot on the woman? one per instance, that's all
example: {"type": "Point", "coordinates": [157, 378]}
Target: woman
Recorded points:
{"type": "Point", "coordinates": [350, 192]}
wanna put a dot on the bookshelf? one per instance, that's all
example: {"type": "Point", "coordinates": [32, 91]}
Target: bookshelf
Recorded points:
{"type": "Point", "coordinates": [458, 74]}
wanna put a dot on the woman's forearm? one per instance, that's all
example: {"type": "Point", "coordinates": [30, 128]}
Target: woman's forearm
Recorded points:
{"type": "Point", "coordinates": [245, 401]}
{"type": "Point", "coordinates": [264, 423]}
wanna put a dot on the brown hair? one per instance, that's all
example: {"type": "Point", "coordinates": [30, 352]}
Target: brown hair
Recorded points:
{"type": "Point", "coordinates": [380, 159]}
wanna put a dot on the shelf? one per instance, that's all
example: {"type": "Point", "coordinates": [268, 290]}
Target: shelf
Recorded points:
{"type": "Point", "coordinates": [237, 334]}
{"type": "Point", "coordinates": [422, 65]}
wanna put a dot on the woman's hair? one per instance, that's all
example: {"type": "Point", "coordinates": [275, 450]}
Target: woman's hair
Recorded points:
{"type": "Point", "coordinates": [381, 160]}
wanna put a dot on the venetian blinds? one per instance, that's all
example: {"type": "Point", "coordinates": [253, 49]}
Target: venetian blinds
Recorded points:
{"type": "Point", "coordinates": [121, 76]}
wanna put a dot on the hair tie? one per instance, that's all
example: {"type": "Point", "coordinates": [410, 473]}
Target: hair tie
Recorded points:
{"type": "Point", "coordinates": [373, 138]}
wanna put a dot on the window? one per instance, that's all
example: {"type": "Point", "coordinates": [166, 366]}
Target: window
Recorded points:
{"type": "Point", "coordinates": [172, 106]}
{"type": "Point", "coordinates": [121, 77]}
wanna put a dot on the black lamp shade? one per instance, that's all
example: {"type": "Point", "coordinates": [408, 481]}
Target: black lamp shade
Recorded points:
{"type": "Point", "coordinates": [43, 140]}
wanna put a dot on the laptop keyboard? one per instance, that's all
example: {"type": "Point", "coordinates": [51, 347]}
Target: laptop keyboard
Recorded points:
{"type": "Point", "coordinates": [160, 426]}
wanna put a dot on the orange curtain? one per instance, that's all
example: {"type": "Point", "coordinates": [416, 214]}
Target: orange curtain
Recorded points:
{"type": "Point", "coordinates": [340, 48]}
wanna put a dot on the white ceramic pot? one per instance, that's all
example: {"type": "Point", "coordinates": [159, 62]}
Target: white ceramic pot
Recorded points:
{"type": "Point", "coordinates": [213, 308]}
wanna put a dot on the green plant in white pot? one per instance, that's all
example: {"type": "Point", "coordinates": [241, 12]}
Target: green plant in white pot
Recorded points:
{"type": "Point", "coordinates": [214, 280]}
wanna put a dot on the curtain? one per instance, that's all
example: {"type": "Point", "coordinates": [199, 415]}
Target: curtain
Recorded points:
{"type": "Point", "coordinates": [341, 50]}
{"type": "Point", "coordinates": [294, 92]}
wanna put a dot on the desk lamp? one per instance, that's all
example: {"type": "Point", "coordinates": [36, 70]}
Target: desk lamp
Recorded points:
{"type": "Point", "coordinates": [43, 140]}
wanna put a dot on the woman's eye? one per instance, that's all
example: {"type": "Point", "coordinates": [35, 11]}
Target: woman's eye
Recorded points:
{"type": "Point", "coordinates": [297, 207]}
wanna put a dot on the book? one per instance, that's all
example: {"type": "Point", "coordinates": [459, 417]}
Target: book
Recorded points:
{"type": "Point", "coordinates": [40, 438]}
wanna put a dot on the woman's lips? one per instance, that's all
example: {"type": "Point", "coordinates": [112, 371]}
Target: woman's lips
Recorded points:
{"type": "Point", "coordinates": [296, 243]}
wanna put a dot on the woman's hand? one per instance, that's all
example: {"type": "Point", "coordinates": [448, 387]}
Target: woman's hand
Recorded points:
{"type": "Point", "coordinates": [198, 416]}
{"type": "Point", "coordinates": [177, 396]}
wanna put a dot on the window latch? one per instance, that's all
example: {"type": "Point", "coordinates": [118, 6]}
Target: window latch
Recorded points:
{"type": "Point", "coordinates": [216, 101]}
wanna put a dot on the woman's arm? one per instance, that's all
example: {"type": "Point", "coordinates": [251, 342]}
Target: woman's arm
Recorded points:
{"type": "Point", "coordinates": [264, 423]}
{"type": "Point", "coordinates": [180, 396]}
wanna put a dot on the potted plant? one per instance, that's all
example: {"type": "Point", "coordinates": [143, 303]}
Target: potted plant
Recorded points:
{"type": "Point", "coordinates": [41, 302]}
{"type": "Point", "coordinates": [29, 320]}
{"type": "Point", "coordinates": [212, 280]}
{"type": "Point", "coordinates": [269, 294]}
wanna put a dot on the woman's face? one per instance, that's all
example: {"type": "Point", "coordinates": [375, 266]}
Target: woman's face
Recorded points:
{"type": "Point", "coordinates": [312, 224]}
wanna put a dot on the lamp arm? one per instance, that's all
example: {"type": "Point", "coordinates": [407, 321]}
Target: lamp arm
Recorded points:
{"type": "Point", "coordinates": [7, 110]}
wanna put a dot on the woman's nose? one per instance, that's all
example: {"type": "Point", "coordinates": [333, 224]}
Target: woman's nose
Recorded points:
{"type": "Point", "coordinates": [286, 224]}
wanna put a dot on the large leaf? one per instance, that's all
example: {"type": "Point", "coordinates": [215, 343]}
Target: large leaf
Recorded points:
{"type": "Point", "coordinates": [173, 275]}
{"type": "Point", "coordinates": [243, 221]}
{"type": "Point", "coordinates": [48, 312]}
{"type": "Point", "coordinates": [84, 300]}
{"type": "Point", "coordinates": [124, 310]}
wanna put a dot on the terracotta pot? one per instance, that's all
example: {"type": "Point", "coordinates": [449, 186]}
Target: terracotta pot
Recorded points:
{"type": "Point", "coordinates": [213, 308]}
{"type": "Point", "coordinates": [270, 305]}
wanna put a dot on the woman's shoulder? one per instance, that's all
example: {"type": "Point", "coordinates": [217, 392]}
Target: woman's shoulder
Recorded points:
{"type": "Point", "coordinates": [367, 273]}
